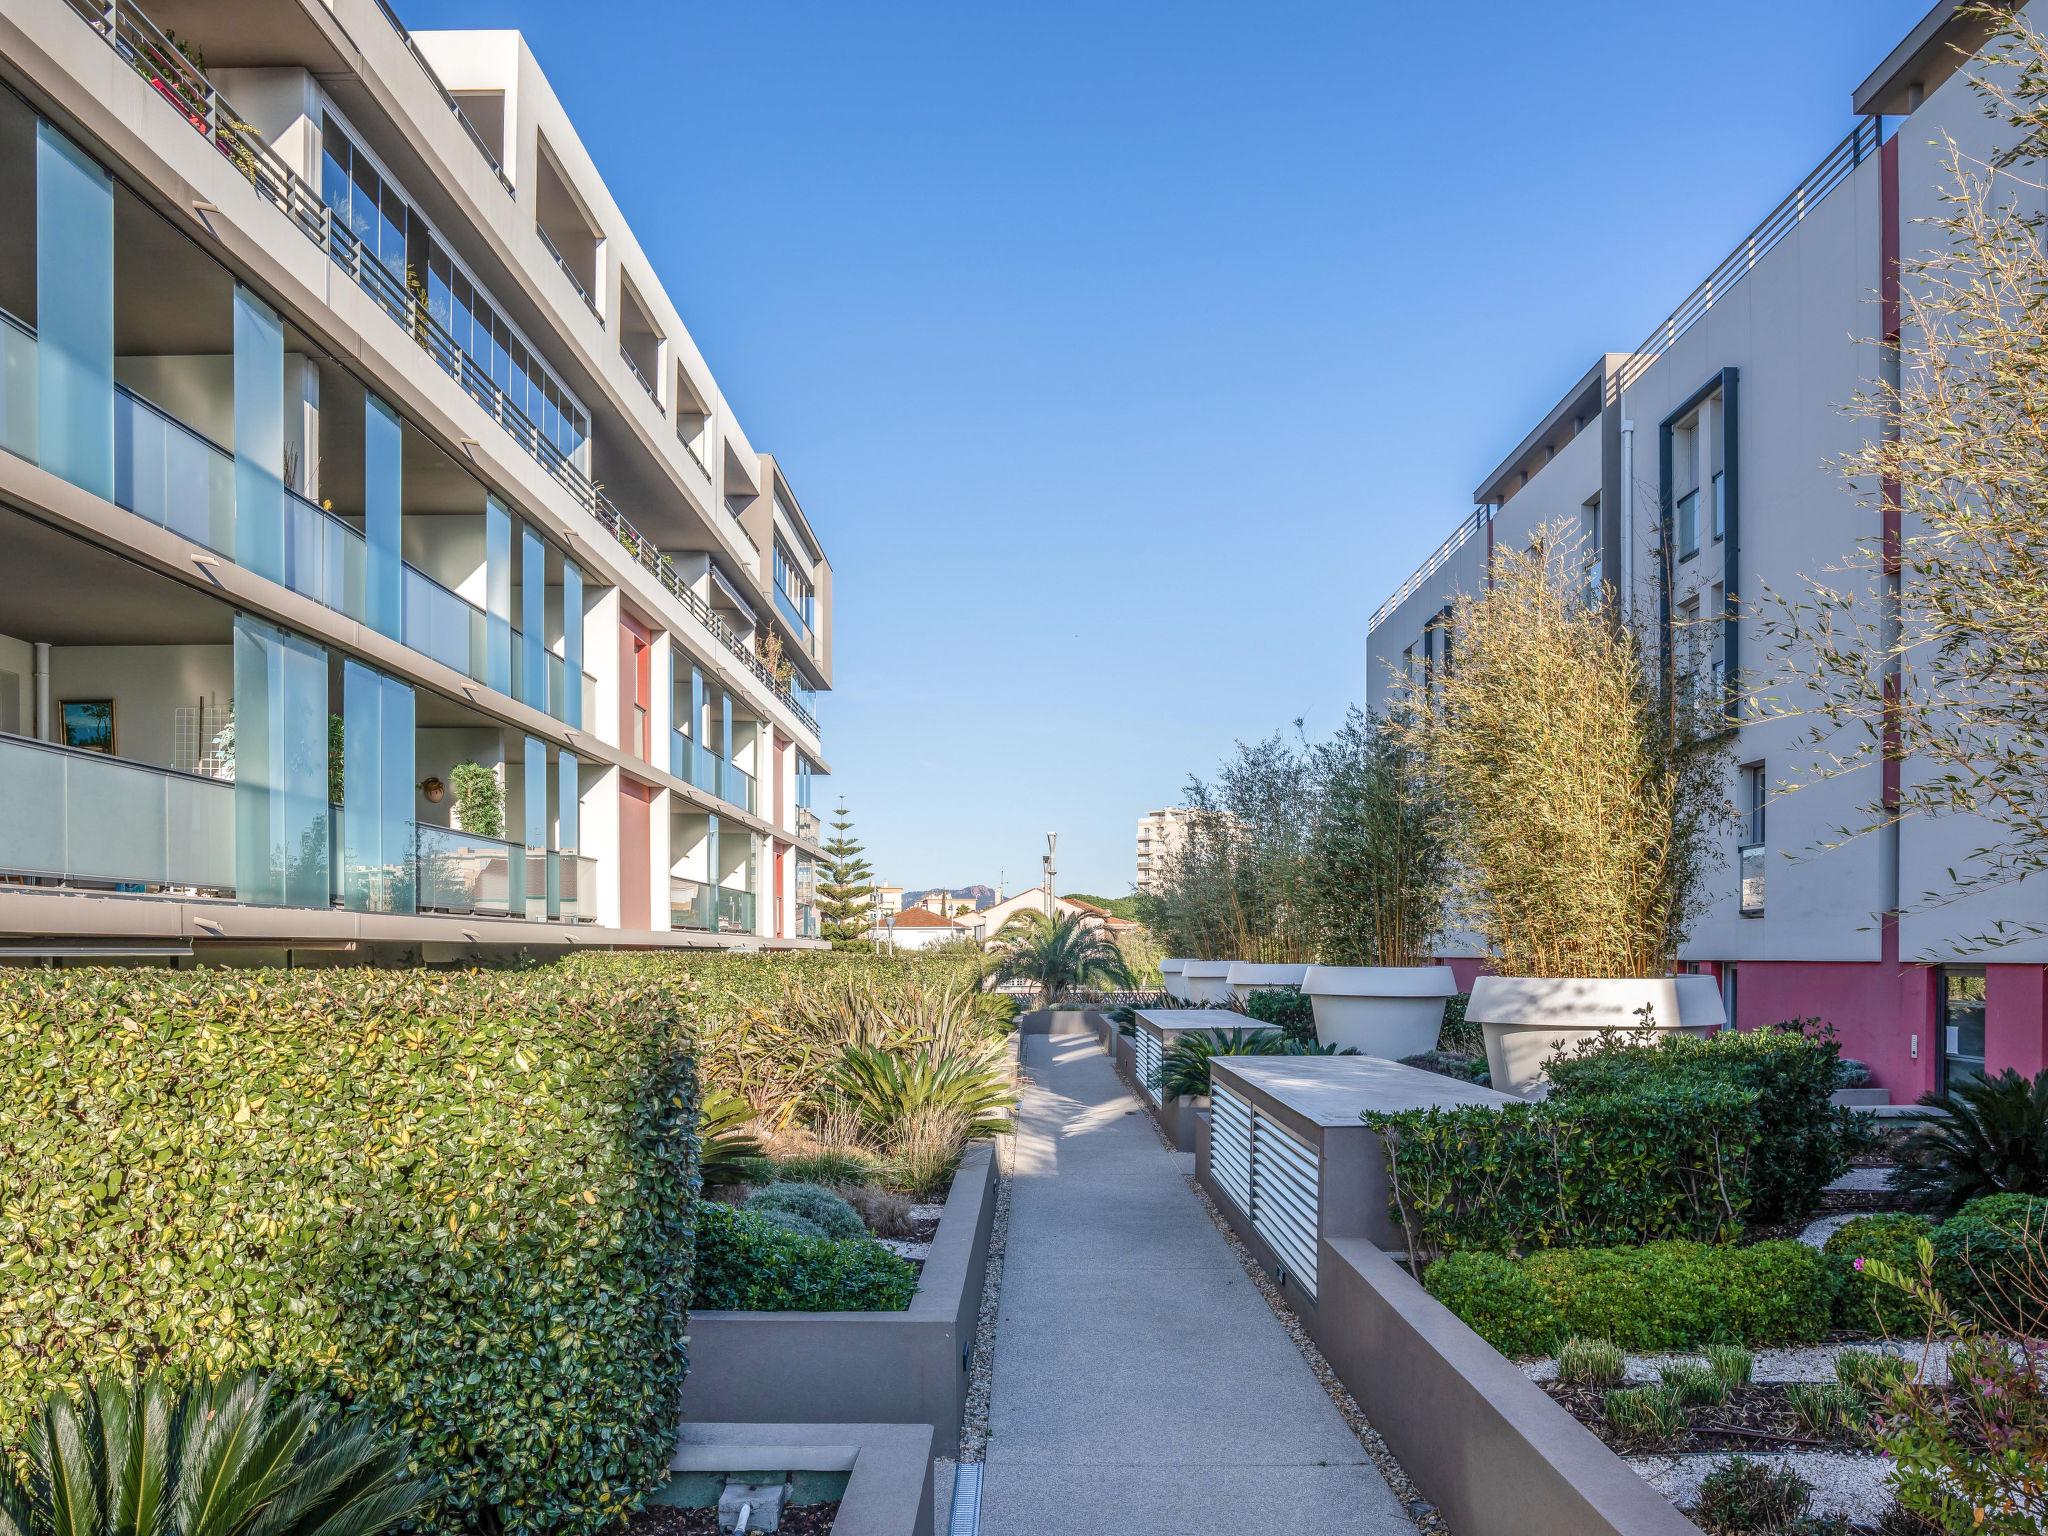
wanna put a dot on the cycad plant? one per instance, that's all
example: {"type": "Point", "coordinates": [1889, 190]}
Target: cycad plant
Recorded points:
{"type": "Point", "coordinates": [884, 1088]}
{"type": "Point", "coordinates": [1184, 1070]}
{"type": "Point", "coordinates": [229, 1458]}
{"type": "Point", "coordinates": [1059, 955]}
{"type": "Point", "coordinates": [1990, 1137]}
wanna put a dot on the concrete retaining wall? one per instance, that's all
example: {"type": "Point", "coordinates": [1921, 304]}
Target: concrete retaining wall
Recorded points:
{"type": "Point", "coordinates": [888, 1487]}
{"type": "Point", "coordinates": [906, 1367]}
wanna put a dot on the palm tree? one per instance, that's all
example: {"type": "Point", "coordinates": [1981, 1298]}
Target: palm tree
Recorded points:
{"type": "Point", "coordinates": [1059, 954]}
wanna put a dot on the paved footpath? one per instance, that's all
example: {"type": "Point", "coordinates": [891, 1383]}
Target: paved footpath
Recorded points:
{"type": "Point", "coordinates": [1142, 1386]}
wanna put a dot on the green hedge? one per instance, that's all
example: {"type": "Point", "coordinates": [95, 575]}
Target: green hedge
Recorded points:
{"type": "Point", "coordinates": [746, 1263]}
{"type": "Point", "coordinates": [1666, 1160]}
{"type": "Point", "coordinates": [461, 1200]}
{"type": "Point", "coordinates": [1289, 1007]}
{"type": "Point", "coordinates": [1991, 1258]}
{"type": "Point", "coordinates": [1791, 1069]}
{"type": "Point", "coordinates": [1662, 1296]}
{"type": "Point", "coordinates": [1862, 1305]}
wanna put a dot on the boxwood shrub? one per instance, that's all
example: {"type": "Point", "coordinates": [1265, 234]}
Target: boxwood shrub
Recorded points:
{"type": "Point", "coordinates": [1989, 1259]}
{"type": "Point", "coordinates": [1661, 1296]}
{"type": "Point", "coordinates": [749, 1263]}
{"type": "Point", "coordinates": [1861, 1304]}
{"type": "Point", "coordinates": [1792, 1071]}
{"type": "Point", "coordinates": [462, 1200]}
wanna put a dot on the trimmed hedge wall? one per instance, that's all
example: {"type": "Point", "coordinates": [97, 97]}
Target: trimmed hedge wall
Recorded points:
{"type": "Point", "coordinates": [1662, 1296]}
{"type": "Point", "coordinates": [1791, 1069]}
{"type": "Point", "coordinates": [747, 1262]}
{"type": "Point", "coordinates": [463, 1200]}
{"type": "Point", "coordinates": [1665, 1160]}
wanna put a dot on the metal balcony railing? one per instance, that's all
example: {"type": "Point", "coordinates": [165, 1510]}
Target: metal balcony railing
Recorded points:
{"type": "Point", "coordinates": [447, 97]}
{"type": "Point", "coordinates": [1471, 525]}
{"type": "Point", "coordinates": [133, 36]}
{"type": "Point", "coordinates": [634, 368]}
{"type": "Point", "coordinates": [569, 272]}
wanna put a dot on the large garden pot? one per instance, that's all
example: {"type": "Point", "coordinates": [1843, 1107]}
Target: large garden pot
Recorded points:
{"type": "Point", "coordinates": [1208, 982]}
{"type": "Point", "coordinates": [1380, 1010]}
{"type": "Point", "coordinates": [1171, 978]}
{"type": "Point", "coordinates": [1246, 977]}
{"type": "Point", "coordinates": [1526, 1020]}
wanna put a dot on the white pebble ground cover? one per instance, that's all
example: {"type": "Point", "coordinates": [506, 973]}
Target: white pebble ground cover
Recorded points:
{"type": "Point", "coordinates": [1813, 1362]}
{"type": "Point", "coordinates": [1857, 1486]}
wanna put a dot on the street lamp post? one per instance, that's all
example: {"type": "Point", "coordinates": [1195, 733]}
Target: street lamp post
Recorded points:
{"type": "Point", "coordinates": [1051, 843]}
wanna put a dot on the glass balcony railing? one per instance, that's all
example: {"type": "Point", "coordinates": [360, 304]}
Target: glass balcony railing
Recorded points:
{"type": "Point", "coordinates": [795, 615]}
{"type": "Point", "coordinates": [575, 894]}
{"type": "Point", "coordinates": [701, 766]}
{"type": "Point", "coordinates": [469, 874]}
{"type": "Point", "coordinates": [738, 788]}
{"type": "Point", "coordinates": [169, 475]}
{"type": "Point", "coordinates": [735, 911]}
{"type": "Point", "coordinates": [807, 825]}
{"type": "Point", "coordinates": [17, 387]}
{"type": "Point", "coordinates": [709, 908]}
{"type": "Point", "coordinates": [85, 817]}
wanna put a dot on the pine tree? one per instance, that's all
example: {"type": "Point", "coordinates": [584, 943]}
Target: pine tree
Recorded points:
{"type": "Point", "coordinates": [846, 891]}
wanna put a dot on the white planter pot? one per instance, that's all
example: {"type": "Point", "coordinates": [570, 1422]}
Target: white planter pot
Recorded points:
{"type": "Point", "coordinates": [1246, 977]}
{"type": "Point", "coordinates": [1380, 1010]}
{"type": "Point", "coordinates": [1527, 1020]}
{"type": "Point", "coordinates": [1172, 979]}
{"type": "Point", "coordinates": [1208, 982]}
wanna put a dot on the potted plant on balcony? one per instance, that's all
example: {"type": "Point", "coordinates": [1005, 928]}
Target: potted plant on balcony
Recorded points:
{"type": "Point", "coordinates": [1583, 792]}
{"type": "Point", "coordinates": [1376, 877]}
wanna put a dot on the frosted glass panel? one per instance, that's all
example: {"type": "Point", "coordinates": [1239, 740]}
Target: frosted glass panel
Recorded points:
{"type": "Point", "coordinates": [533, 619]}
{"type": "Point", "coordinates": [497, 596]}
{"type": "Point", "coordinates": [383, 488]}
{"type": "Point", "coordinates": [281, 767]}
{"type": "Point", "coordinates": [572, 644]}
{"type": "Point", "coordinates": [259, 437]}
{"type": "Point", "coordinates": [32, 844]}
{"type": "Point", "coordinates": [377, 799]}
{"type": "Point", "coordinates": [568, 804]}
{"type": "Point", "coordinates": [74, 315]}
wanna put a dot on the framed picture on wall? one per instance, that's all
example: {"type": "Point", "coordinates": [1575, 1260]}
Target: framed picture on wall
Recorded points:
{"type": "Point", "coordinates": [89, 724]}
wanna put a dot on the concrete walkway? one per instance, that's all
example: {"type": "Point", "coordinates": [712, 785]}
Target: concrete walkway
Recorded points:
{"type": "Point", "coordinates": [1141, 1384]}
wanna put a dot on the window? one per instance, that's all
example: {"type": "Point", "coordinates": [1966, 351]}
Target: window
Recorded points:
{"type": "Point", "coordinates": [1750, 857]}
{"type": "Point", "coordinates": [794, 593]}
{"type": "Point", "coordinates": [1962, 1025]}
{"type": "Point", "coordinates": [1689, 524]}
{"type": "Point", "coordinates": [1754, 796]}
{"type": "Point", "coordinates": [1720, 507]}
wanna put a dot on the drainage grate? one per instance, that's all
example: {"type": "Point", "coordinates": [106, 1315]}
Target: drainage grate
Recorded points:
{"type": "Point", "coordinates": [966, 1519]}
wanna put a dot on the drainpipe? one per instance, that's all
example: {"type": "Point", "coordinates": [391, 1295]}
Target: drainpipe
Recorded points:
{"type": "Point", "coordinates": [43, 691]}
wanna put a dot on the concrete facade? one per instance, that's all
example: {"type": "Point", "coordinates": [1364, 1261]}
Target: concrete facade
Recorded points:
{"type": "Point", "coordinates": [1739, 399]}
{"type": "Point", "coordinates": [594, 576]}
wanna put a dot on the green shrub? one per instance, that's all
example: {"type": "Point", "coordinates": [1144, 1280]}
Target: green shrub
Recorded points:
{"type": "Point", "coordinates": [1819, 1408]}
{"type": "Point", "coordinates": [1674, 1296]}
{"type": "Point", "coordinates": [790, 1221]}
{"type": "Point", "coordinates": [1694, 1385]}
{"type": "Point", "coordinates": [1664, 1160]}
{"type": "Point", "coordinates": [1497, 1300]}
{"type": "Point", "coordinates": [1184, 1069]}
{"type": "Point", "coordinates": [1990, 1137]}
{"type": "Point", "coordinates": [750, 1263]}
{"type": "Point", "coordinates": [1457, 1035]}
{"type": "Point", "coordinates": [479, 799]}
{"type": "Point", "coordinates": [1751, 1498]}
{"type": "Point", "coordinates": [1469, 1069]}
{"type": "Point", "coordinates": [829, 1213]}
{"type": "Point", "coordinates": [1984, 1255]}
{"type": "Point", "coordinates": [1591, 1363]}
{"type": "Point", "coordinates": [1870, 1373]}
{"type": "Point", "coordinates": [1797, 1147]}
{"type": "Point", "coordinates": [1862, 1305]}
{"type": "Point", "coordinates": [884, 1087]}
{"type": "Point", "coordinates": [1732, 1363]}
{"type": "Point", "coordinates": [1289, 1007]}
{"type": "Point", "coordinates": [139, 1456]}
{"type": "Point", "coordinates": [458, 1202]}
{"type": "Point", "coordinates": [1643, 1415]}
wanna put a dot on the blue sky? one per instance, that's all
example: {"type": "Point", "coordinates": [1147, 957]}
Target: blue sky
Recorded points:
{"type": "Point", "coordinates": [1125, 355]}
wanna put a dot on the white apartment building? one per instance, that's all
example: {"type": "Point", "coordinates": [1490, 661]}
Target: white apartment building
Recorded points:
{"type": "Point", "coordinates": [359, 468]}
{"type": "Point", "coordinates": [1696, 468]}
{"type": "Point", "coordinates": [1161, 834]}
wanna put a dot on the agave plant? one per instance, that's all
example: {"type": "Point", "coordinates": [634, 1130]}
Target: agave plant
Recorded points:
{"type": "Point", "coordinates": [1990, 1139]}
{"type": "Point", "coordinates": [886, 1087]}
{"type": "Point", "coordinates": [1060, 955]}
{"type": "Point", "coordinates": [209, 1458]}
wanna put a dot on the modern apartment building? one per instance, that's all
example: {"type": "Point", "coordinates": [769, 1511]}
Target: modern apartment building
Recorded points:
{"type": "Point", "coordinates": [382, 573]}
{"type": "Point", "coordinates": [1160, 835]}
{"type": "Point", "coordinates": [1695, 470]}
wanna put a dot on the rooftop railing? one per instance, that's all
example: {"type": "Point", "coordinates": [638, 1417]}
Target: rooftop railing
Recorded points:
{"type": "Point", "coordinates": [447, 97]}
{"type": "Point", "coordinates": [1423, 572]}
{"type": "Point", "coordinates": [569, 272]}
{"type": "Point", "coordinates": [133, 36]}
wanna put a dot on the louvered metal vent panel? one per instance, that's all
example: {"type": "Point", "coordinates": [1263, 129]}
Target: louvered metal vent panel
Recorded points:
{"type": "Point", "coordinates": [1146, 1055]}
{"type": "Point", "coordinates": [1285, 1176]}
{"type": "Point", "coordinates": [1230, 1146]}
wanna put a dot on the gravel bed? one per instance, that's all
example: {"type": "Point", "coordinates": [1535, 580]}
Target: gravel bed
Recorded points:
{"type": "Point", "coordinates": [981, 1367]}
{"type": "Point", "coordinates": [1815, 1362]}
{"type": "Point", "coordinates": [903, 1248]}
{"type": "Point", "coordinates": [1816, 1233]}
{"type": "Point", "coordinates": [667, 1520]}
{"type": "Point", "coordinates": [1865, 1179]}
{"type": "Point", "coordinates": [1844, 1483]}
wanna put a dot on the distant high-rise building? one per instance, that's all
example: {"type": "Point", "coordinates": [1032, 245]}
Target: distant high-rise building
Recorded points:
{"type": "Point", "coordinates": [1161, 834]}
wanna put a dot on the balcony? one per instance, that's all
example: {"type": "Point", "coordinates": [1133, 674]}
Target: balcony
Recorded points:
{"type": "Point", "coordinates": [797, 621]}
{"type": "Point", "coordinates": [80, 818]}
{"type": "Point", "coordinates": [808, 828]}
{"type": "Point", "coordinates": [447, 98]}
{"type": "Point", "coordinates": [1750, 864]}
{"type": "Point", "coordinates": [709, 908]}
{"type": "Point", "coordinates": [696, 764]}
{"type": "Point", "coordinates": [583, 293]}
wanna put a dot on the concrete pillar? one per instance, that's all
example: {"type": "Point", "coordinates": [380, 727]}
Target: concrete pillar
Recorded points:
{"type": "Point", "coordinates": [2016, 1018]}
{"type": "Point", "coordinates": [660, 820]}
{"type": "Point", "coordinates": [601, 656]}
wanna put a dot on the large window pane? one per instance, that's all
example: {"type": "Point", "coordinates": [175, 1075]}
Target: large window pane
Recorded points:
{"type": "Point", "coordinates": [572, 643]}
{"type": "Point", "coordinates": [281, 767]}
{"type": "Point", "coordinates": [259, 437]}
{"type": "Point", "coordinates": [533, 619]}
{"type": "Point", "coordinates": [377, 780]}
{"type": "Point", "coordinates": [74, 314]}
{"type": "Point", "coordinates": [497, 595]}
